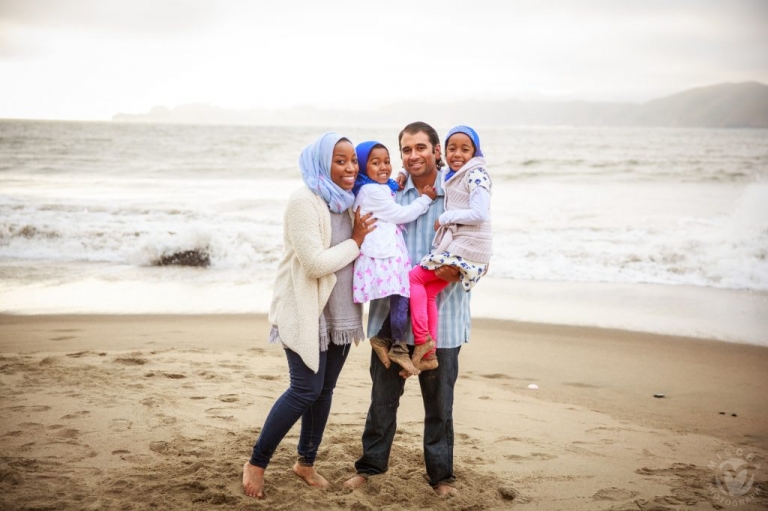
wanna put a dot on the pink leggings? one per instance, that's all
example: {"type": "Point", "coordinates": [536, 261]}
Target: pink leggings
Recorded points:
{"type": "Point", "coordinates": [425, 286]}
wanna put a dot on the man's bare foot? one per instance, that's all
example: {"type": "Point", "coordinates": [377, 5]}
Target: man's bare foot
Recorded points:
{"type": "Point", "coordinates": [310, 476]}
{"type": "Point", "coordinates": [253, 480]}
{"type": "Point", "coordinates": [355, 482]}
{"type": "Point", "coordinates": [381, 347]}
{"type": "Point", "coordinates": [404, 361]}
{"type": "Point", "coordinates": [444, 489]}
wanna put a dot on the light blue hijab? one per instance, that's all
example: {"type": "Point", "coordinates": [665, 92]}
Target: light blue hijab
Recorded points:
{"type": "Point", "coordinates": [315, 165]}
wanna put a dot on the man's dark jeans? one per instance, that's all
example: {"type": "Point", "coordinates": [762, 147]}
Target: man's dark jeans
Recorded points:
{"type": "Point", "coordinates": [437, 387]}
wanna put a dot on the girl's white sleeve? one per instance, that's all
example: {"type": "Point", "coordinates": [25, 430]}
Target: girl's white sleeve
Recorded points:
{"type": "Point", "coordinates": [479, 209]}
{"type": "Point", "coordinates": [380, 202]}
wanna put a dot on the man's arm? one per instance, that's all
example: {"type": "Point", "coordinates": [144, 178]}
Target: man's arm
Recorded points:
{"type": "Point", "coordinates": [448, 273]}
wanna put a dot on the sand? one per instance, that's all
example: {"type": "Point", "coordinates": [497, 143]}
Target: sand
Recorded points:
{"type": "Point", "coordinates": [141, 412]}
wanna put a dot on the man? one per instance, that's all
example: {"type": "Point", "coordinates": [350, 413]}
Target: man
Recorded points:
{"type": "Point", "coordinates": [420, 152]}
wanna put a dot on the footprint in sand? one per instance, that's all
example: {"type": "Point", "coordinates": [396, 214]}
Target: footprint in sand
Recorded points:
{"type": "Point", "coordinates": [76, 415]}
{"type": "Point", "coordinates": [28, 409]}
{"type": "Point", "coordinates": [229, 398]}
{"type": "Point", "coordinates": [68, 433]}
{"type": "Point", "coordinates": [79, 354]}
{"type": "Point", "coordinates": [580, 450]}
{"type": "Point", "coordinates": [131, 361]}
{"type": "Point", "coordinates": [159, 447]}
{"type": "Point", "coordinates": [141, 459]}
{"type": "Point", "coordinates": [496, 376]}
{"type": "Point", "coordinates": [533, 456]}
{"type": "Point", "coordinates": [63, 338]}
{"type": "Point", "coordinates": [580, 385]}
{"type": "Point", "coordinates": [217, 413]}
{"type": "Point", "coordinates": [67, 451]}
{"type": "Point", "coordinates": [230, 365]}
{"type": "Point", "coordinates": [120, 424]}
{"type": "Point", "coordinates": [614, 494]}
{"type": "Point", "coordinates": [150, 401]}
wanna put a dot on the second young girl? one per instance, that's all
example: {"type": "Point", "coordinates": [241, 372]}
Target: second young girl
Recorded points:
{"type": "Point", "coordinates": [383, 265]}
{"type": "Point", "coordinates": [463, 238]}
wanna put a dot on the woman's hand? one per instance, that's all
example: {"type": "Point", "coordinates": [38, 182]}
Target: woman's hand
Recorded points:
{"type": "Point", "coordinates": [363, 225]}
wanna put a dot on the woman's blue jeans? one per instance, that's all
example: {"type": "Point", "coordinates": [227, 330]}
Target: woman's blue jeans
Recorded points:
{"type": "Point", "coordinates": [309, 398]}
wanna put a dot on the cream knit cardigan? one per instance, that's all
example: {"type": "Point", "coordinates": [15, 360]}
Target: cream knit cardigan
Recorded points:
{"type": "Point", "coordinates": [305, 275]}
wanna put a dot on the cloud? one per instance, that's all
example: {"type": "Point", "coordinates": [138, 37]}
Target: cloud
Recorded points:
{"type": "Point", "coordinates": [153, 17]}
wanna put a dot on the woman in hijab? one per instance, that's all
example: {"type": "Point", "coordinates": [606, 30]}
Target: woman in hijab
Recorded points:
{"type": "Point", "coordinates": [313, 314]}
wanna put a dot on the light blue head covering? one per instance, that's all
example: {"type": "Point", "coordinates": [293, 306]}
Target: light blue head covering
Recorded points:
{"type": "Point", "coordinates": [470, 133]}
{"type": "Point", "coordinates": [315, 165]}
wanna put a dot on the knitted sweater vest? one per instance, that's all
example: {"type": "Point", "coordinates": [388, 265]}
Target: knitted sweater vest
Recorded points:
{"type": "Point", "coordinates": [472, 242]}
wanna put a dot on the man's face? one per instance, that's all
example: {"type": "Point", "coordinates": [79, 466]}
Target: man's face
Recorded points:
{"type": "Point", "coordinates": [418, 154]}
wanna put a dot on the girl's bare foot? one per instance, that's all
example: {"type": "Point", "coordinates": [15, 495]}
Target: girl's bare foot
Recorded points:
{"type": "Point", "coordinates": [381, 347]}
{"type": "Point", "coordinates": [419, 361]}
{"type": "Point", "coordinates": [310, 476]}
{"type": "Point", "coordinates": [427, 363]}
{"type": "Point", "coordinates": [404, 361]}
{"type": "Point", "coordinates": [253, 480]}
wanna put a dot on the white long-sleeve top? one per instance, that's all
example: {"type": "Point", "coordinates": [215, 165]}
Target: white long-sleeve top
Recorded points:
{"type": "Point", "coordinates": [478, 212]}
{"type": "Point", "coordinates": [378, 199]}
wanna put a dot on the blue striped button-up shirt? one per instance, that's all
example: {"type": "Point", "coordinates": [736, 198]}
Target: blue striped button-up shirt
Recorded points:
{"type": "Point", "coordinates": [453, 302]}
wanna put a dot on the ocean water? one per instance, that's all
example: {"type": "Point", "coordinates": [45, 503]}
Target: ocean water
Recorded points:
{"type": "Point", "coordinates": [89, 210]}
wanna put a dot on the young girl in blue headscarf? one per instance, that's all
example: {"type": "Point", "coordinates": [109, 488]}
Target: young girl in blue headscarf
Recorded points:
{"type": "Point", "coordinates": [463, 238]}
{"type": "Point", "coordinates": [382, 267]}
{"type": "Point", "coordinates": [313, 315]}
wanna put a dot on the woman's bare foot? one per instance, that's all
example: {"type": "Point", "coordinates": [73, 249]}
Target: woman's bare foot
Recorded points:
{"type": "Point", "coordinates": [310, 476]}
{"type": "Point", "coordinates": [355, 482]}
{"type": "Point", "coordinates": [404, 361]}
{"type": "Point", "coordinates": [381, 347]}
{"type": "Point", "coordinates": [253, 480]}
{"type": "Point", "coordinates": [444, 489]}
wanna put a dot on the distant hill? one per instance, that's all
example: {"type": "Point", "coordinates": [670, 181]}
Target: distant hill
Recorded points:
{"type": "Point", "coordinates": [740, 105]}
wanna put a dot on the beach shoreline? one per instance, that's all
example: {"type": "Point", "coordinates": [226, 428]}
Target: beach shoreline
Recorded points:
{"type": "Point", "coordinates": [162, 409]}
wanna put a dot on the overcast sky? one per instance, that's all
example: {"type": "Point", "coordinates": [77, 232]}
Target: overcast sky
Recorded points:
{"type": "Point", "coordinates": [90, 59]}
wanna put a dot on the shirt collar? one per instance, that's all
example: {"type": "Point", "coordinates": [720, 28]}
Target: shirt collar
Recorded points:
{"type": "Point", "coordinates": [438, 184]}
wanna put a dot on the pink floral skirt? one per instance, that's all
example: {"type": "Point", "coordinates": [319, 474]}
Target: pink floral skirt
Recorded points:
{"type": "Point", "coordinates": [378, 278]}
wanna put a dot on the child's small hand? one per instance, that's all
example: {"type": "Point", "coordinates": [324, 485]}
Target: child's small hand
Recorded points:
{"type": "Point", "coordinates": [437, 224]}
{"type": "Point", "coordinates": [429, 191]}
{"type": "Point", "coordinates": [400, 180]}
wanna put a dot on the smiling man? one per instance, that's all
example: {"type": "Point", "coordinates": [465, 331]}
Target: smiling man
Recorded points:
{"type": "Point", "coordinates": [420, 151]}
